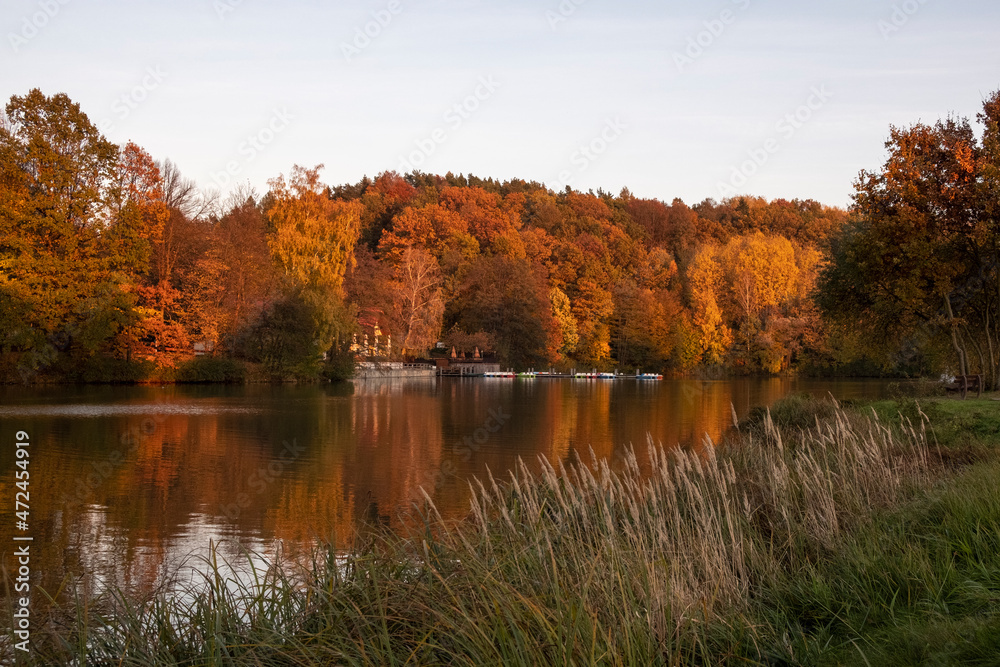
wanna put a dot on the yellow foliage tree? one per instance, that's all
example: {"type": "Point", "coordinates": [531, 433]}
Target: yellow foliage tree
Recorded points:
{"type": "Point", "coordinates": [705, 278]}
{"type": "Point", "coordinates": [760, 279]}
{"type": "Point", "coordinates": [313, 236]}
{"type": "Point", "coordinates": [312, 241]}
{"type": "Point", "coordinates": [562, 311]}
{"type": "Point", "coordinates": [592, 306]}
{"type": "Point", "coordinates": [760, 273]}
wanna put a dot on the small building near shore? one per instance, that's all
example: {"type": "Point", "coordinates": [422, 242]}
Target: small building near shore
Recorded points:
{"type": "Point", "coordinates": [466, 367]}
{"type": "Point", "coordinates": [379, 370]}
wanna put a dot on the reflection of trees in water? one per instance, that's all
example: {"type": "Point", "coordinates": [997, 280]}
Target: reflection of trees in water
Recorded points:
{"type": "Point", "coordinates": [362, 454]}
{"type": "Point", "coordinates": [398, 432]}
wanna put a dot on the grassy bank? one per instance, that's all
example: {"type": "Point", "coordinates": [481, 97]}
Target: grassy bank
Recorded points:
{"type": "Point", "coordinates": [823, 535]}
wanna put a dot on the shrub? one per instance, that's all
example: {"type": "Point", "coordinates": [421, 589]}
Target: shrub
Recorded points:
{"type": "Point", "coordinates": [212, 369]}
{"type": "Point", "coordinates": [107, 370]}
{"type": "Point", "coordinates": [795, 411]}
{"type": "Point", "coordinates": [922, 388]}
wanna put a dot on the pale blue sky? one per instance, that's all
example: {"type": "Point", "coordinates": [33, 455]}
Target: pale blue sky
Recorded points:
{"type": "Point", "coordinates": [200, 77]}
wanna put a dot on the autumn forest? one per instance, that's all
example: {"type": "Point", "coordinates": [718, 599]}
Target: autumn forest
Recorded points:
{"type": "Point", "coordinates": [114, 267]}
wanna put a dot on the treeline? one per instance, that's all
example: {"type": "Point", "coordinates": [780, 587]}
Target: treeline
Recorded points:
{"type": "Point", "coordinates": [588, 280]}
{"type": "Point", "coordinates": [114, 267]}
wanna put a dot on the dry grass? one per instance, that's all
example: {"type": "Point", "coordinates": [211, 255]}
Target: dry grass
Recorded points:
{"type": "Point", "coordinates": [703, 526]}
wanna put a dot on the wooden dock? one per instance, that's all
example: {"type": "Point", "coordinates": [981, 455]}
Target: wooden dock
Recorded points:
{"type": "Point", "coordinates": [375, 370]}
{"type": "Point", "coordinates": [533, 375]}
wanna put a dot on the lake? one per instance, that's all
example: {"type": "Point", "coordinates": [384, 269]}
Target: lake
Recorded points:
{"type": "Point", "coordinates": [126, 483]}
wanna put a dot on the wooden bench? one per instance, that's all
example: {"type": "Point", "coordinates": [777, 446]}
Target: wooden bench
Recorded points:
{"type": "Point", "coordinates": [965, 383]}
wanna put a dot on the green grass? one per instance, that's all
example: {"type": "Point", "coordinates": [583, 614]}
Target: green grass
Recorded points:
{"type": "Point", "coordinates": [917, 585]}
{"type": "Point", "coordinates": [841, 536]}
{"type": "Point", "coordinates": [920, 582]}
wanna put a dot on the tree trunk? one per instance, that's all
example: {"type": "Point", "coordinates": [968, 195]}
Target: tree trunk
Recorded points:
{"type": "Point", "coordinates": [962, 363]}
{"type": "Point", "coordinates": [996, 324]}
{"type": "Point", "coordinates": [979, 351]}
{"type": "Point", "coordinates": [992, 376]}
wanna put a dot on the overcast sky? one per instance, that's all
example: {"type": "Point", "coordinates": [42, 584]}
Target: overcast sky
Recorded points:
{"type": "Point", "coordinates": [670, 99]}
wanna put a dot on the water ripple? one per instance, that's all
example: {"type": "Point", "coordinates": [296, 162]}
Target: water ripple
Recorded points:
{"type": "Point", "coordinates": [95, 410]}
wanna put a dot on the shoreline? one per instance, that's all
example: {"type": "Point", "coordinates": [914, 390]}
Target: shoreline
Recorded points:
{"type": "Point", "coordinates": [253, 375]}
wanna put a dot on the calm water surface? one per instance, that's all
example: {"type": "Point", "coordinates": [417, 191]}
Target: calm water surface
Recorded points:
{"type": "Point", "coordinates": [128, 482]}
